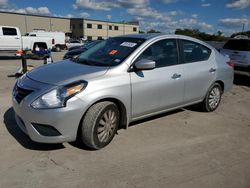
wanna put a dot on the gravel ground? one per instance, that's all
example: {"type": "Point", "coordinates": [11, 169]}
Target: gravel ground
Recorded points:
{"type": "Point", "coordinates": [184, 148]}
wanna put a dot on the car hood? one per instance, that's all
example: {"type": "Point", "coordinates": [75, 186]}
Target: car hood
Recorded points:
{"type": "Point", "coordinates": [65, 72]}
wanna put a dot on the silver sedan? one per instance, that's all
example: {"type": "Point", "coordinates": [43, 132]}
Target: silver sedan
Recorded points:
{"type": "Point", "coordinates": [116, 82]}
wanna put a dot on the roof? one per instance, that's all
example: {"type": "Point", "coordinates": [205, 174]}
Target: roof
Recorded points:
{"type": "Point", "coordinates": [57, 17]}
{"type": "Point", "coordinates": [149, 36]}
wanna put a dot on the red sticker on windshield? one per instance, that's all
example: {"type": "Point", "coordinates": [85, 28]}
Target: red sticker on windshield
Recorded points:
{"type": "Point", "coordinates": [113, 52]}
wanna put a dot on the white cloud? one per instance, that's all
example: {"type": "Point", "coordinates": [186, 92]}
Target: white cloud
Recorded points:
{"type": "Point", "coordinates": [169, 1]}
{"type": "Point", "coordinates": [3, 3]}
{"type": "Point", "coordinates": [149, 13]}
{"type": "Point", "coordinates": [239, 4]}
{"type": "Point", "coordinates": [69, 16]}
{"type": "Point", "coordinates": [92, 5]}
{"type": "Point", "coordinates": [29, 10]}
{"type": "Point", "coordinates": [84, 15]}
{"type": "Point", "coordinates": [109, 17]}
{"type": "Point", "coordinates": [234, 22]}
{"type": "Point", "coordinates": [194, 15]}
{"type": "Point", "coordinates": [205, 4]}
{"type": "Point", "coordinates": [40, 10]}
{"type": "Point", "coordinates": [107, 5]}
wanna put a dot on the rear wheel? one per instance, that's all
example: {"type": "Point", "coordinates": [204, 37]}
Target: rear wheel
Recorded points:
{"type": "Point", "coordinates": [58, 49]}
{"type": "Point", "coordinates": [100, 125]}
{"type": "Point", "coordinates": [212, 99]}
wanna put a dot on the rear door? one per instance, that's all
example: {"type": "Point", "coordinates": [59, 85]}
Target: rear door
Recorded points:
{"type": "Point", "coordinates": [161, 88]}
{"type": "Point", "coordinates": [199, 69]}
{"type": "Point", "coordinates": [10, 39]}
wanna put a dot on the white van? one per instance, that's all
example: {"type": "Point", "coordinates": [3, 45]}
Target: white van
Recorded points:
{"type": "Point", "coordinates": [58, 38]}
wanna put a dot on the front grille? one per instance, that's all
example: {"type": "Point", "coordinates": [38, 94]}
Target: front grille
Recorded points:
{"type": "Point", "coordinates": [21, 93]}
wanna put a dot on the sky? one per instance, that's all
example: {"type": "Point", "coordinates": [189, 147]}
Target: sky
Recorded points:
{"type": "Point", "coordinates": [209, 16]}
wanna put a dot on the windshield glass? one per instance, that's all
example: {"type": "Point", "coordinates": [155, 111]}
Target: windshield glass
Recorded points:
{"type": "Point", "coordinates": [241, 45]}
{"type": "Point", "coordinates": [110, 52]}
{"type": "Point", "coordinates": [89, 45]}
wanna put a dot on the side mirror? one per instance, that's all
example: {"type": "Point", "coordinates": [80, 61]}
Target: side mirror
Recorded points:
{"type": "Point", "coordinates": [144, 64]}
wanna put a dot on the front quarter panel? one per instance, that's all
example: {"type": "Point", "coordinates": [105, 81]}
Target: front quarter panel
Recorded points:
{"type": "Point", "coordinates": [115, 84]}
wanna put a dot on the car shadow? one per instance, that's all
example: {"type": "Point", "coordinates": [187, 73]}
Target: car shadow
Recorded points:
{"type": "Point", "coordinates": [139, 122]}
{"type": "Point", "coordinates": [23, 139]}
{"type": "Point", "coordinates": [241, 80]}
{"type": "Point", "coordinates": [9, 57]}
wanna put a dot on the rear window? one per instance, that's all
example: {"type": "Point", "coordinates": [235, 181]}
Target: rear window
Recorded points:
{"type": "Point", "coordinates": [194, 52]}
{"type": "Point", "coordinates": [240, 45]}
{"type": "Point", "coordinates": [9, 31]}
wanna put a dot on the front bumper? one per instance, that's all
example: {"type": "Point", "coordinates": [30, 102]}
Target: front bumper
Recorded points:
{"type": "Point", "coordinates": [65, 120]}
{"type": "Point", "coordinates": [37, 122]}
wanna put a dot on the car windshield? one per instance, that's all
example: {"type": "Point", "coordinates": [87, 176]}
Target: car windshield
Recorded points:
{"type": "Point", "coordinates": [89, 45]}
{"type": "Point", "coordinates": [241, 45]}
{"type": "Point", "coordinates": [110, 52]}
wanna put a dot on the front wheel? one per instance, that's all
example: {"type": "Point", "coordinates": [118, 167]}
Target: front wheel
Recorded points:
{"type": "Point", "coordinates": [212, 99]}
{"type": "Point", "coordinates": [100, 125]}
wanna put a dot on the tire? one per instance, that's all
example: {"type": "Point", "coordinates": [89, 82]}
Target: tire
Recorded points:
{"type": "Point", "coordinates": [212, 99]}
{"type": "Point", "coordinates": [100, 125]}
{"type": "Point", "coordinates": [58, 49]}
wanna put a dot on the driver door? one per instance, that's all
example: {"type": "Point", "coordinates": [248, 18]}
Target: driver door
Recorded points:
{"type": "Point", "coordinates": [161, 88]}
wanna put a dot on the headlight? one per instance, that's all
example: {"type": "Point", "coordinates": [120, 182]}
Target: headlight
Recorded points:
{"type": "Point", "coordinates": [58, 97]}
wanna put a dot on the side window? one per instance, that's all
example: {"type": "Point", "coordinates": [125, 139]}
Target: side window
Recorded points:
{"type": "Point", "coordinates": [9, 31]}
{"type": "Point", "coordinates": [194, 52]}
{"type": "Point", "coordinates": [163, 52]}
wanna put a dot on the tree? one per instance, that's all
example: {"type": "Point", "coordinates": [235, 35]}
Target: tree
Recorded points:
{"type": "Point", "coordinates": [153, 31]}
{"type": "Point", "coordinates": [201, 35]}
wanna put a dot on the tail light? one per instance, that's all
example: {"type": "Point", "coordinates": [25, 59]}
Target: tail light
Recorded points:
{"type": "Point", "coordinates": [231, 64]}
{"type": "Point", "coordinates": [53, 41]}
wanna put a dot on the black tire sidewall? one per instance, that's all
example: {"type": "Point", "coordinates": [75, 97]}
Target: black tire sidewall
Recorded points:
{"type": "Point", "coordinates": [97, 143]}
{"type": "Point", "coordinates": [207, 106]}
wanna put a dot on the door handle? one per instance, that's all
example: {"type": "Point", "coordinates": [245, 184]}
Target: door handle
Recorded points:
{"type": "Point", "coordinates": [17, 38]}
{"type": "Point", "coordinates": [212, 70]}
{"type": "Point", "coordinates": [176, 76]}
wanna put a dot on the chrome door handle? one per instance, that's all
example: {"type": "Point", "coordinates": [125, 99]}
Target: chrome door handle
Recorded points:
{"type": "Point", "coordinates": [176, 76]}
{"type": "Point", "coordinates": [212, 70]}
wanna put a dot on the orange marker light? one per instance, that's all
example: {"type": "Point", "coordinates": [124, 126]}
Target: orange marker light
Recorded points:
{"type": "Point", "coordinates": [73, 90]}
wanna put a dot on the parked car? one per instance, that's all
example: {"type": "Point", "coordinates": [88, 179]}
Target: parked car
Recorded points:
{"type": "Point", "coordinates": [77, 47]}
{"type": "Point", "coordinates": [120, 80]}
{"type": "Point", "coordinates": [11, 40]}
{"type": "Point", "coordinates": [238, 50]}
{"type": "Point", "coordinates": [58, 38]}
{"type": "Point", "coordinates": [72, 53]}
{"type": "Point", "coordinates": [73, 43]}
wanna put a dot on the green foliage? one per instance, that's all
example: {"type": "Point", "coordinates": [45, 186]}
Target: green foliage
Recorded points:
{"type": "Point", "coordinates": [201, 35]}
{"type": "Point", "coordinates": [153, 31]}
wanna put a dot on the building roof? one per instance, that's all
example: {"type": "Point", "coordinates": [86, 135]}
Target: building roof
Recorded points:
{"type": "Point", "coordinates": [57, 17]}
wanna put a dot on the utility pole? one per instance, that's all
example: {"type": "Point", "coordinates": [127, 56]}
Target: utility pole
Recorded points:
{"type": "Point", "coordinates": [243, 28]}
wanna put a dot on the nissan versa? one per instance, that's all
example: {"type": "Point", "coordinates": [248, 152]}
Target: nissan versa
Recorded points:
{"type": "Point", "coordinates": [118, 81]}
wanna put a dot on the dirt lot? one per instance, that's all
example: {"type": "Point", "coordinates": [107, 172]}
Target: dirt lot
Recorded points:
{"type": "Point", "coordinates": [185, 148]}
